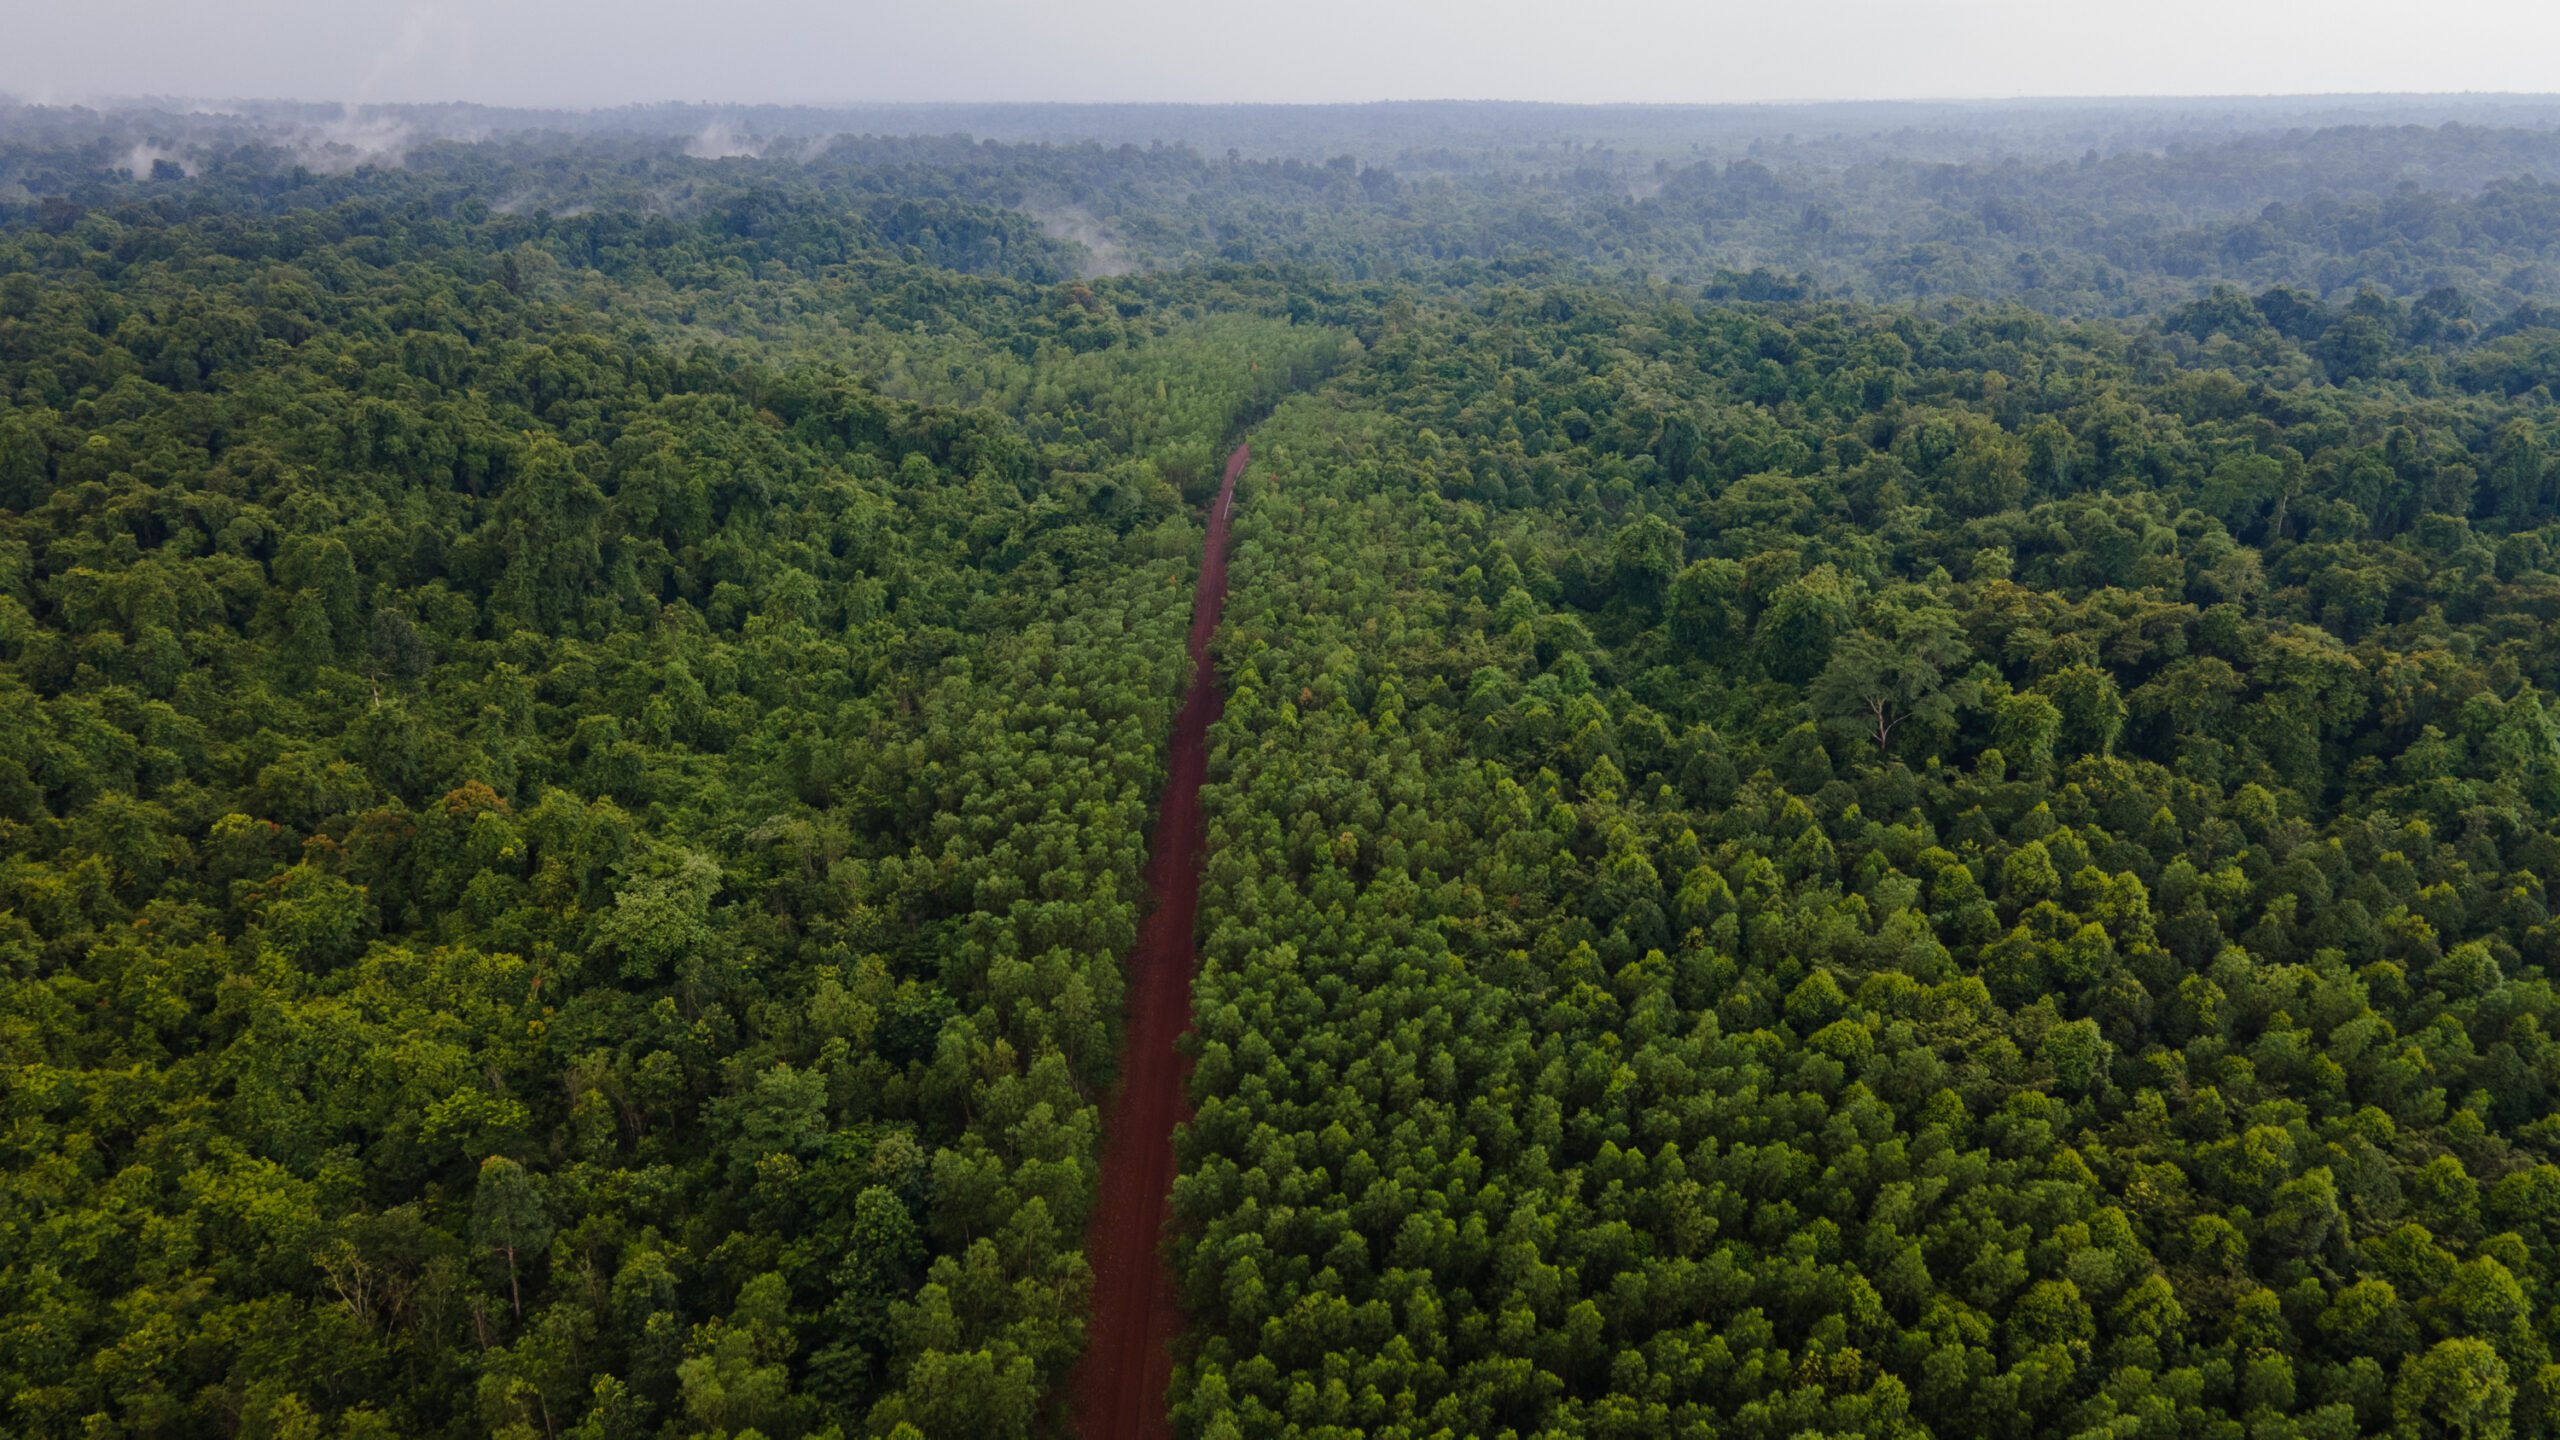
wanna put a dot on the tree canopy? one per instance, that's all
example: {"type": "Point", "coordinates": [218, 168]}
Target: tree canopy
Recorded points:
{"type": "Point", "coordinates": [1877, 787]}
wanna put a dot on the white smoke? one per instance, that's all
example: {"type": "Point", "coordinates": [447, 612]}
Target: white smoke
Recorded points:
{"type": "Point", "coordinates": [428, 32]}
{"type": "Point", "coordinates": [1078, 227]}
{"type": "Point", "coordinates": [352, 142]}
{"type": "Point", "coordinates": [144, 157]}
{"type": "Point", "coordinates": [720, 142]}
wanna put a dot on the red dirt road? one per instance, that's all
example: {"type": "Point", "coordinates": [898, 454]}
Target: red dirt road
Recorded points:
{"type": "Point", "coordinates": [1120, 1386]}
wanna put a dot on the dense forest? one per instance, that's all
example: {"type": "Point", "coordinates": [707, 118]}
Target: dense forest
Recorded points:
{"type": "Point", "coordinates": [1874, 781]}
{"type": "Point", "coordinates": [1820, 871]}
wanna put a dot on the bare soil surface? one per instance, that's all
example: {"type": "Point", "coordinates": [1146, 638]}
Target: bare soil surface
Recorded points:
{"type": "Point", "coordinates": [1121, 1384]}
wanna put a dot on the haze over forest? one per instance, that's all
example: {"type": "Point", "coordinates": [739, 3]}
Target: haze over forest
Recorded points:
{"type": "Point", "coordinates": [588, 53]}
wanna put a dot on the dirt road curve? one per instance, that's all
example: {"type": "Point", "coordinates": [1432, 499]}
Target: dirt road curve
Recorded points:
{"type": "Point", "coordinates": [1119, 1391]}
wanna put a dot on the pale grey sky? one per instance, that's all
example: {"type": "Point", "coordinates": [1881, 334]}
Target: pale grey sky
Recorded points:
{"type": "Point", "coordinates": [603, 52]}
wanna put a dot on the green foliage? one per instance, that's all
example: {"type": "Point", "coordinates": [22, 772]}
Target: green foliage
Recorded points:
{"type": "Point", "coordinates": [1970, 944]}
{"type": "Point", "coordinates": [561, 877]}
{"type": "Point", "coordinates": [577, 724]}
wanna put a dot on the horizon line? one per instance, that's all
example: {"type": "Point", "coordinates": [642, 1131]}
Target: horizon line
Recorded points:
{"type": "Point", "coordinates": [150, 100]}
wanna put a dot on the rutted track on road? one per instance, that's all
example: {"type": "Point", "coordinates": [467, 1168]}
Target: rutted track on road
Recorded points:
{"type": "Point", "coordinates": [1121, 1384]}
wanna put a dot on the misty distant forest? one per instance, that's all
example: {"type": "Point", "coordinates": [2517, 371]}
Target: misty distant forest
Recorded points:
{"type": "Point", "coordinates": [1885, 769]}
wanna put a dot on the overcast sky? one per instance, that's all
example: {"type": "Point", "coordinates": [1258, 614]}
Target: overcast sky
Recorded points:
{"type": "Point", "coordinates": [604, 52]}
